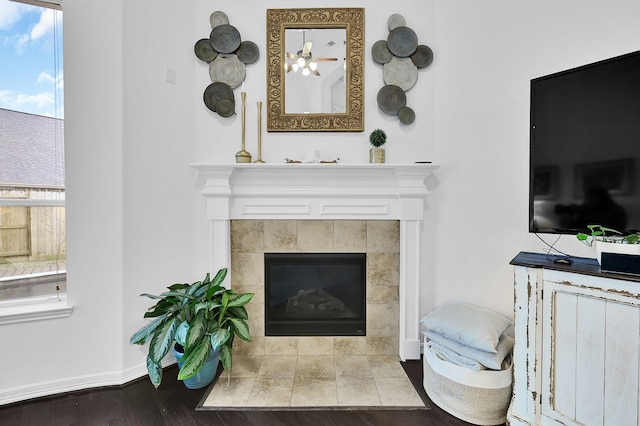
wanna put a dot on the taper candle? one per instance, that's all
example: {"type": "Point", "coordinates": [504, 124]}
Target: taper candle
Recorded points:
{"type": "Point", "coordinates": [259, 160]}
{"type": "Point", "coordinates": [243, 156]}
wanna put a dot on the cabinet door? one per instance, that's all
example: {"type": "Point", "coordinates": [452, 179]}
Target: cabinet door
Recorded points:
{"type": "Point", "coordinates": [590, 355]}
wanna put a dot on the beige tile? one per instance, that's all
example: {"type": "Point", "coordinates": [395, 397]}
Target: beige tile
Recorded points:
{"type": "Point", "coordinates": [350, 236]}
{"type": "Point", "coordinates": [314, 393]}
{"type": "Point", "coordinates": [247, 236]}
{"type": "Point", "coordinates": [383, 236]}
{"type": "Point", "coordinates": [386, 366]}
{"type": "Point", "coordinates": [383, 294]}
{"type": "Point", "coordinates": [281, 345]}
{"type": "Point", "coordinates": [271, 392]}
{"type": "Point", "coordinates": [254, 347]}
{"type": "Point", "coordinates": [256, 319]}
{"type": "Point", "coordinates": [357, 392]}
{"type": "Point", "coordinates": [246, 366]}
{"type": "Point", "coordinates": [315, 236]}
{"type": "Point", "coordinates": [312, 367]}
{"type": "Point", "coordinates": [349, 345]}
{"type": "Point", "coordinates": [382, 345]}
{"type": "Point", "coordinates": [235, 395]}
{"type": "Point", "coordinates": [277, 366]}
{"type": "Point", "coordinates": [352, 366]}
{"type": "Point", "coordinates": [383, 269]}
{"type": "Point", "coordinates": [382, 320]}
{"type": "Point", "coordinates": [280, 236]}
{"type": "Point", "coordinates": [397, 392]}
{"type": "Point", "coordinates": [315, 345]}
{"type": "Point", "coordinates": [247, 269]}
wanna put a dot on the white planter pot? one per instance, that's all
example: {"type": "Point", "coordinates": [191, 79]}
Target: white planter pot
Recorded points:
{"type": "Point", "coordinates": [615, 248]}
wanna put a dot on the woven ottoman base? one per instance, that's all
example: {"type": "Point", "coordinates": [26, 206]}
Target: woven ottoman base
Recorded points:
{"type": "Point", "coordinates": [478, 397]}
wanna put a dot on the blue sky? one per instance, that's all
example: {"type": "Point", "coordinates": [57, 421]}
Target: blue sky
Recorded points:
{"type": "Point", "coordinates": [30, 76]}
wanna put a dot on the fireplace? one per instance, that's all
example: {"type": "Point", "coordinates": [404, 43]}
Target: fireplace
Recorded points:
{"type": "Point", "coordinates": [284, 195]}
{"type": "Point", "coordinates": [315, 294]}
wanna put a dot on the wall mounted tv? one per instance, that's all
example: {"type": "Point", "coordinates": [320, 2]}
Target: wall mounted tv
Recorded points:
{"type": "Point", "coordinates": [585, 148]}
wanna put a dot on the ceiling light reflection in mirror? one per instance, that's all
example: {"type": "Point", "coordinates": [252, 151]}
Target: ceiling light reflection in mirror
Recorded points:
{"type": "Point", "coordinates": [315, 70]}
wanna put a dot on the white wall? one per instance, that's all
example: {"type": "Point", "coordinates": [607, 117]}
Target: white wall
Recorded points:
{"type": "Point", "coordinates": [487, 53]}
{"type": "Point", "coordinates": [137, 221]}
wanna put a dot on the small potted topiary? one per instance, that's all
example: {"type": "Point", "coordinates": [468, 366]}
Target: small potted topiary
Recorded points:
{"type": "Point", "coordinates": [377, 138]}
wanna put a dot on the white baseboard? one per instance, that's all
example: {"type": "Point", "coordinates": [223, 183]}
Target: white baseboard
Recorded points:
{"type": "Point", "coordinates": [71, 384]}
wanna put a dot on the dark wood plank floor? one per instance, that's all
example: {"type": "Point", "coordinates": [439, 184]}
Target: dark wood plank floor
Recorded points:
{"type": "Point", "coordinates": [138, 403]}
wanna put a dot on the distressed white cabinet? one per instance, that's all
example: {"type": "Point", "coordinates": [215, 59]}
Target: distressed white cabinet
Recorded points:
{"type": "Point", "coordinates": [576, 356]}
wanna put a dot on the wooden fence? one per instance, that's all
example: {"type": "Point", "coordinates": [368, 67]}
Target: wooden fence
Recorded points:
{"type": "Point", "coordinates": [32, 231]}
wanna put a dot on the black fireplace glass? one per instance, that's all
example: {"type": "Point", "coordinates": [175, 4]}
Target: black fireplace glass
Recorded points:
{"type": "Point", "coordinates": [315, 294]}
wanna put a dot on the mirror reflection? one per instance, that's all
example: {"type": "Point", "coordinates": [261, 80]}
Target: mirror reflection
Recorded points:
{"type": "Point", "coordinates": [315, 65]}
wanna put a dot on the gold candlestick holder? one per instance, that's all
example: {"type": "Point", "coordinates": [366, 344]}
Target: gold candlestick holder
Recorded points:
{"type": "Point", "coordinates": [243, 156]}
{"type": "Point", "coordinates": [259, 160]}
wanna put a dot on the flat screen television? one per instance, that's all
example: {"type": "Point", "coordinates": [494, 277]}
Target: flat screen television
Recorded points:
{"type": "Point", "coordinates": [585, 148]}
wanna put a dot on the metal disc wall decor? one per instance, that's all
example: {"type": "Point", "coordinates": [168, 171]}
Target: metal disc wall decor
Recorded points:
{"type": "Point", "coordinates": [423, 56]}
{"type": "Point", "coordinates": [225, 38]}
{"type": "Point", "coordinates": [401, 57]}
{"type": "Point", "coordinates": [218, 18]}
{"type": "Point", "coordinates": [215, 92]}
{"type": "Point", "coordinates": [248, 52]}
{"type": "Point", "coordinates": [402, 41]}
{"type": "Point", "coordinates": [227, 69]}
{"type": "Point", "coordinates": [380, 52]}
{"type": "Point", "coordinates": [400, 71]}
{"type": "Point", "coordinates": [204, 51]}
{"type": "Point", "coordinates": [391, 98]}
{"type": "Point", "coordinates": [227, 56]}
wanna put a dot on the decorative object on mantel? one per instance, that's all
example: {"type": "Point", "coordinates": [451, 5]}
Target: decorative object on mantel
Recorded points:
{"type": "Point", "coordinates": [227, 57]}
{"type": "Point", "coordinates": [377, 138]}
{"type": "Point", "coordinates": [243, 156]}
{"type": "Point", "coordinates": [291, 161]}
{"type": "Point", "coordinates": [401, 57]}
{"type": "Point", "coordinates": [259, 160]}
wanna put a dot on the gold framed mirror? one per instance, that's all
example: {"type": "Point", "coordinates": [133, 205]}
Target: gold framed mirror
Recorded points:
{"type": "Point", "coordinates": [315, 70]}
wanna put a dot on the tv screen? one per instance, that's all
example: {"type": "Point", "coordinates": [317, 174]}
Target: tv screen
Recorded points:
{"type": "Point", "coordinates": [585, 148]}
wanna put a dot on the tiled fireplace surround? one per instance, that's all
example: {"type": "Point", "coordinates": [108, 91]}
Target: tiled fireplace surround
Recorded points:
{"type": "Point", "coordinates": [378, 209]}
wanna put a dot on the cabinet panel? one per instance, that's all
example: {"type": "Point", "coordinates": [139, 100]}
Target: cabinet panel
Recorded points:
{"type": "Point", "coordinates": [590, 356]}
{"type": "Point", "coordinates": [621, 365]}
{"type": "Point", "coordinates": [564, 355]}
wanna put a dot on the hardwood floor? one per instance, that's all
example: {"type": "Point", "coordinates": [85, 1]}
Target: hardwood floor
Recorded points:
{"type": "Point", "coordinates": [138, 403]}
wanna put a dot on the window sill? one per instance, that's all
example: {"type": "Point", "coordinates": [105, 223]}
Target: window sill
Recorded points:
{"type": "Point", "coordinates": [34, 309]}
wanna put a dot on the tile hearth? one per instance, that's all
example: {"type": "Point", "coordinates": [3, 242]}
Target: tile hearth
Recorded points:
{"type": "Point", "coordinates": [314, 381]}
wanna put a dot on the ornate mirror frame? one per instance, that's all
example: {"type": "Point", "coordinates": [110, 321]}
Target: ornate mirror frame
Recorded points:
{"type": "Point", "coordinates": [278, 20]}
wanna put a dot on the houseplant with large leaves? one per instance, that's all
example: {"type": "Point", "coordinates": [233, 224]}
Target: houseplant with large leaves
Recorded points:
{"type": "Point", "coordinates": [201, 317]}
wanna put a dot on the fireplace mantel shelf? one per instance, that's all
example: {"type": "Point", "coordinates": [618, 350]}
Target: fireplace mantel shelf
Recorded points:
{"type": "Point", "coordinates": [314, 191]}
{"type": "Point", "coordinates": [326, 192]}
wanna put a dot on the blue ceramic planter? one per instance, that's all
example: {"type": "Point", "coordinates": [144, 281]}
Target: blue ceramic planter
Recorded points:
{"type": "Point", "coordinates": [206, 375]}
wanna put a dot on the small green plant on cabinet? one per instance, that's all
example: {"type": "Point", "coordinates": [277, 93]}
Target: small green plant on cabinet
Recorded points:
{"type": "Point", "coordinates": [201, 317]}
{"type": "Point", "coordinates": [378, 138]}
{"type": "Point", "coordinates": [607, 235]}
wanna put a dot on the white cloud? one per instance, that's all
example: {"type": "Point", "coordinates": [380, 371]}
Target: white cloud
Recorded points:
{"type": "Point", "coordinates": [40, 100]}
{"type": "Point", "coordinates": [45, 77]}
{"type": "Point", "coordinates": [44, 25]}
{"type": "Point", "coordinates": [10, 13]}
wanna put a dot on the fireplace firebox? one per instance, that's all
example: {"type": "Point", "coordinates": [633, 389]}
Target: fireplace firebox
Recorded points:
{"type": "Point", "coordinates": [315, 294]}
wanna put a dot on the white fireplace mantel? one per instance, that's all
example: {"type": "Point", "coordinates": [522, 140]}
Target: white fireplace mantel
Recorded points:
{"type": "Point", "coordinates": [326, 191]}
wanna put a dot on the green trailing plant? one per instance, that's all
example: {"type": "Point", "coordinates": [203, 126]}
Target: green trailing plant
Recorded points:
{"type": "Point", "coordinates": [607, 235]}
{"type": "Point", "coordinates": [201, 317]}
{"type": "Point", "coordinates": [377, 138]}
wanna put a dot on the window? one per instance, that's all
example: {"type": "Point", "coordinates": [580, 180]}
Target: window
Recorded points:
{"type": "Point", "coordinates": [32, 191]}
